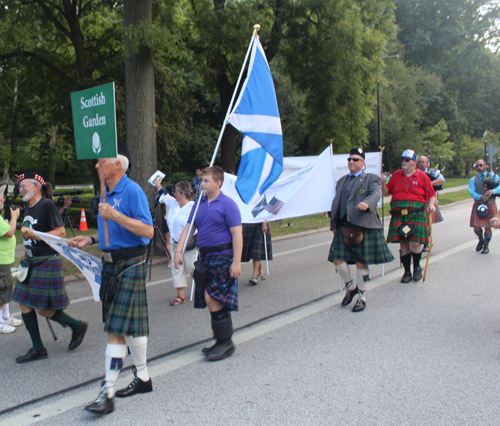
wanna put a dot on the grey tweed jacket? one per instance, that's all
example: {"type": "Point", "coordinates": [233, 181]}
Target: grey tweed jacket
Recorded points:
{"type": "Point", "coordinates": [366, 187]}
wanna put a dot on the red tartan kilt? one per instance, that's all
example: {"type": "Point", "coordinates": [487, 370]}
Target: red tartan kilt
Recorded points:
{"type": "Point", "coordinates": [475, 220]}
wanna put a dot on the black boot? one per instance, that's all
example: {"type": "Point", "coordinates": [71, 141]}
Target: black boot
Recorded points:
{"type": "Point", "coordinates": [487, 239]}
{"type": "Point", "coordinates": [406, 261]}
{"type": "Point", "coordinates": [417, 270]}
{"type": "Point", "coordinates": [481, 241]}
{"type": "Point", "coordinates": [223, 331]}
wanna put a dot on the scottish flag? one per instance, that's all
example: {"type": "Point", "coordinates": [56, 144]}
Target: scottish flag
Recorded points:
{"type": "Point", "coordinates": [256, 115]}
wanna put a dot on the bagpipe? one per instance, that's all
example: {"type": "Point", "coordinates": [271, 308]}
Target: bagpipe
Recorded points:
{"type": "Point", "coordinates": [435, 173]}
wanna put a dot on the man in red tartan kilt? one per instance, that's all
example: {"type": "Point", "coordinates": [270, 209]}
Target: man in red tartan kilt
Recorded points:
{"type": "Point", "coordinates": [412, 195]}
{"type": "Point", "coordinates": [125, 313]}
{"type": "Point", "coordinates": [354, 208]}
{"type": "Point", "coordinates": [481, 188]}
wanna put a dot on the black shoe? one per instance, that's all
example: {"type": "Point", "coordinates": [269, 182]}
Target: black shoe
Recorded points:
{"type": "Point", "coordinates": [406, 278]}
{"type": "Point", "coordinates": [135, 387]}
{"type": "Point", "coordinates": [32, 355]}
{"type": "Point", "coordinates": [349, 295]}
{"type": "Point", "coordinates": [485, 250]}
{"type": "Point", "coordinates": [209, 349]}
{"type": "Point", "coordinates": [359, 306]}
{"type": "Point", "coordinates": [425, 248]}
{"type": "Point", "coordinates": [77, 337]}
{"type": "Point", "coordinates": [417, 273]}
{"type": "Point", "coordinates": [102, 405]}
{"type": "Point", "coordinates": [221, 350]}
{"type": "Point", "coordinates": [479, 245]}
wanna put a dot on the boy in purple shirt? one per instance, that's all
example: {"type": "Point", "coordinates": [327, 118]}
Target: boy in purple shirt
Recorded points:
{"type": "Point", "coordinates": [220, 242]}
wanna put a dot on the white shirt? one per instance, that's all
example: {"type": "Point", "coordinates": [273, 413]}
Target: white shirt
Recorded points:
{"type": "Point", "coordinates": [177, 216]}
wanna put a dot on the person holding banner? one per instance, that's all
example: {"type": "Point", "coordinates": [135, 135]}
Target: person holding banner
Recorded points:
{"type": "Point", "coordinates": [8, 323]}
{"type": "Point", "coordinates": [357, 229]}
{"type": "Point", "coordinates": [125, 311]}
{"type": "Point", "coordinates": [179, 208]}
{"type": "Point", "coordinates": [412, 196]}
{"type": "Point", "coordinates": [220, 243]}
{"type": "Point", "coordinates": [254, 248]}
{"type": "Point", "coordinates": [42, 291]}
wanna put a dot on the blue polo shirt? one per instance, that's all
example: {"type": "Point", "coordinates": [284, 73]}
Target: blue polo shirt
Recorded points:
{"type": "Point", "coordinates": [214, 221]}
{"type": "Point", "coordinates": [128, 198]}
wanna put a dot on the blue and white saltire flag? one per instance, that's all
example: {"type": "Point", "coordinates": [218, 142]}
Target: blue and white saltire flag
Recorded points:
{"type": "Point", "coordinates": [256, 115]}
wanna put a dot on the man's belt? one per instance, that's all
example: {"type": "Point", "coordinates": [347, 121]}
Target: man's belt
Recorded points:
{"type": "Point", "coordinates": [221, 247]}
{"type": "Point", "coordinates": [405, 212]}
{"type": "Point", "coordinates": [115, 256]}
{"type": "Point", "coordinates": [40, 252]}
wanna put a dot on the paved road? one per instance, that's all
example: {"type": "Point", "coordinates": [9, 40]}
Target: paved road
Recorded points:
{"type": "Point", "coordinates": [419, 354]}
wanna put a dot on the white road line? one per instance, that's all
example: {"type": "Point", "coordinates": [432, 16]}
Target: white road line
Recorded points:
{"type": "Point", "coordinates": [81, 397]}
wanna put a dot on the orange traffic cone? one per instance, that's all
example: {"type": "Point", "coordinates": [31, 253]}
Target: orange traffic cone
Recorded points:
{"type": "Point", "coordinates": [83, 221]}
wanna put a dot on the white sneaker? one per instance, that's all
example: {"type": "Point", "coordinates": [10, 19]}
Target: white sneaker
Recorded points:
{"type": "Point", "coordinates": [13, 322]}
{"type": "Point", "coordinates": [7, 329]}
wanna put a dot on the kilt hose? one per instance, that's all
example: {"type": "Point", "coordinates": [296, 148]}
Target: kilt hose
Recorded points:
{"type": "Point", "coordinates": [220, 286]}
{"type": "Point", "coordinates": [475, 220]}
{"type": "Point", "coordinates": [253, 243]}
{"type": "Point", "coordinates": [45, 289]}
{"type": "Point", "coordinates": [372, 250]}
{"type": "Point", "coordinates": [127, 314]}
{"type": "Point", "coordinates": [418, 219]}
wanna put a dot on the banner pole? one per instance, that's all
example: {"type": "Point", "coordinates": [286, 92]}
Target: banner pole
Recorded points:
{"type": "Point", "coordinates": [256, 28]}
{"type": "Point", "coordinates": [382, 170]}
{"type": "Point", "coordinates": [265, 249]}
{"type": "Point", "coordinates": [103, 199]}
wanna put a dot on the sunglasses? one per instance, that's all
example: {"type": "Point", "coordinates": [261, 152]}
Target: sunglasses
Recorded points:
{"type": "Point", "coordinates": [353, 159]}
{"type": "Point", "coordinates": [406, 160]}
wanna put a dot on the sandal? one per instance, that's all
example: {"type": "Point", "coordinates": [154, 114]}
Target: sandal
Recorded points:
{"type": "Point", "coordinates": [178, 300]}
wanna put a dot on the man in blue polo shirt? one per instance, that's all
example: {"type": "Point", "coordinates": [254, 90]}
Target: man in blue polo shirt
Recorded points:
{"type": "Point", "coordinates": [125, 313]}
{"type": "Point", "coordinates": [220, 243]}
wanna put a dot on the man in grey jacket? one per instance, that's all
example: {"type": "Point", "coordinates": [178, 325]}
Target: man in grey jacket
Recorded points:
{"type": "Point", "coordinates": [358, 237]}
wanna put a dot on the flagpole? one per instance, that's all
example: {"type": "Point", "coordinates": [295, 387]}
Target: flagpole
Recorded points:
{"type": "Point", "coordinates": [256, 28]}
{"type": "Point", "coordinates": [265, 249]}
{"type": "Point", "coordinates": [381, 172]}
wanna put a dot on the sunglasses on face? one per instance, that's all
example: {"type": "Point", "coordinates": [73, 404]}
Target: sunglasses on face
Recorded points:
{"type": "Point", "coordinates": [353, 159]}
{"type": "Point", "coordinates": [406, 160]}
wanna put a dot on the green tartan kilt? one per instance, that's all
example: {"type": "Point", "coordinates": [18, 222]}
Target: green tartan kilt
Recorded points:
{"type": "Point", "coordinates": [372, 250]}
{"type": "Point", "coordinates": [127, 314]}
{"type": "Point", "coordinates": [418, 219]}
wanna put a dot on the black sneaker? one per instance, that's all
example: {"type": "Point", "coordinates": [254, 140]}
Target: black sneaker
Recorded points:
{"type": "Point", "coordinates": [102, 404]}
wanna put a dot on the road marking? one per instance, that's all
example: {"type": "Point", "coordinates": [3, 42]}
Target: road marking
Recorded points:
{"type": "Point", "coordinates": [81, 397]}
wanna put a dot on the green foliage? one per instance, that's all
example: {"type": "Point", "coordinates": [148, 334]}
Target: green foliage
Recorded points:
{"type": "Point", "coordinates": [440, 146]}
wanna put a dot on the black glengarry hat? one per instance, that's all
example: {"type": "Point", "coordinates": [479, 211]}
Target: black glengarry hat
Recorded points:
{"type": "Point", "coordinates": [32, 174]}
{"type": "Point", "coordinates": [358, 151]}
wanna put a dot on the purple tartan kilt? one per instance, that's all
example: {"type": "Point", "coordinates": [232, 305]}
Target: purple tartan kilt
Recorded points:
{"type": "Point", "coordinates": [45, 289]}
{"type": "Point", "coordinates": [253, 243]}
{"type": "Point", "coordinates": [127, 314]}
{"type": "Point", "coordinates": [220, 287]}
{"type": "Point", "coordinates": [475, 220]}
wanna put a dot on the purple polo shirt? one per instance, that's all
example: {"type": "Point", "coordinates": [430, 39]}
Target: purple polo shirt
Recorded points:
{"type": "Point", "coordinates": [214, 220]}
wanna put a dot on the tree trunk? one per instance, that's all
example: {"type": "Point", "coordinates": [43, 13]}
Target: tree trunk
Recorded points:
{"type": "Point", "coordinates": [228, 143]}
{"type": "Point", "coordinates": [140, 98]}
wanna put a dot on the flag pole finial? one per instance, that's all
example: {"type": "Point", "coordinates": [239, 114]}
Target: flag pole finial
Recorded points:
{"type": "Point", "coordinates": [256, 28]}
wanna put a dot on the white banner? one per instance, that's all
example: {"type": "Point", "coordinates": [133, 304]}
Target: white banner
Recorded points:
{"type": "Point", "coordinates": [89, 265]}
{"type": "Point", "coordinates": [306, 186]}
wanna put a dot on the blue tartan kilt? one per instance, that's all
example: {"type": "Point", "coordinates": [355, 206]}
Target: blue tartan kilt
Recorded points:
{"type": "Point", "coordinates": [127, 314]}
{"type": "Point", "coordinates": [45, 289]}
{"type": "Point", "coordinates": [253, 243]}
{"type": "Point", "coordinates": [372, 250]}
{"type": "Point", "coordinates": [220, 287]}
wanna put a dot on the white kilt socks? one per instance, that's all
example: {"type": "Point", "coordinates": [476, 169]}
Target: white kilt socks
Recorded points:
{"type": "Point", "coordinates": [363, 275]}
{"type": "Point", "coordinates": [138, 347]}
{"type": "Point", "coordinates": [345, 273]}
{"type": "Point", "coordinates": [113, 365]}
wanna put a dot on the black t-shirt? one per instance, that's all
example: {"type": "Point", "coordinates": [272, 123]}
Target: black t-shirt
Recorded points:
{"type": "Point", "coordinates": [43, 216]}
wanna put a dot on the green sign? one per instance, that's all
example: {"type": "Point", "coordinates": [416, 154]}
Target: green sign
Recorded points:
{"type": "Point", "coordinates": [94, 121]}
